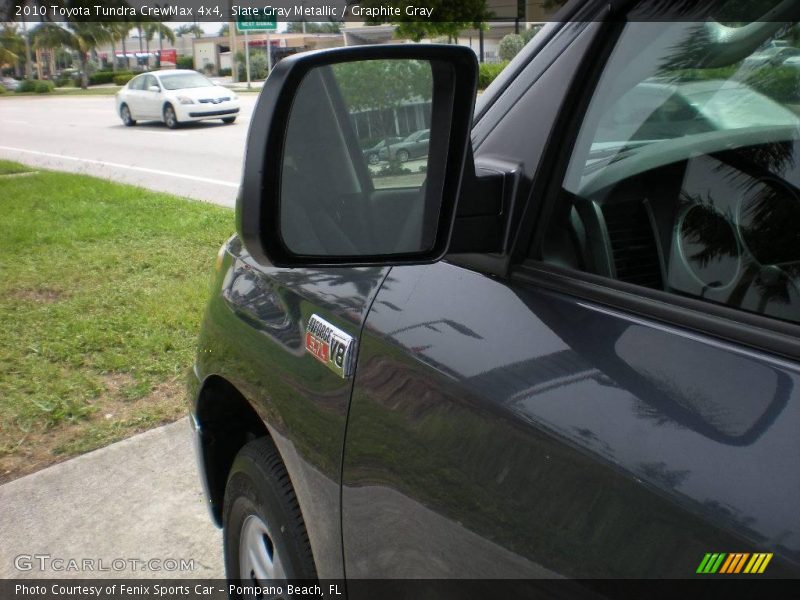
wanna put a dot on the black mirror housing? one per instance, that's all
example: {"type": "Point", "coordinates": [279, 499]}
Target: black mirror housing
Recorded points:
{"type": "Point", "coordinates": [453, 74]}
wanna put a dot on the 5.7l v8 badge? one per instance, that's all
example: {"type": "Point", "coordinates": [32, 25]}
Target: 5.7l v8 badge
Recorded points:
{"type": "Point", "coordinates": [329, 345]}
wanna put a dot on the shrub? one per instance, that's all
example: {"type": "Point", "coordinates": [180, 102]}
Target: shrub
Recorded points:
{"type": "Point", "coordinates": [510, 46]}
{"type": "Point", "coordinates": [44, 87]}
{"type": "Point", "coordinates": [225, 72]}
{"type": "Point", "coordinates": [528, 34]}
{"type": "Point", "coordinates": [2, 90]}
{"type": "Point", "coordinates": [782, 84]}
{"type": "Point", "coordinates": [488, 72]}
{"type": "Point", "coordinates": [26, 86]}
{"type": "Point", "coordinates": [101, 77]}
{"type": "Point", "coordinates": [185, 62]}
{"type": "Point", "coordinates": [123, 78]}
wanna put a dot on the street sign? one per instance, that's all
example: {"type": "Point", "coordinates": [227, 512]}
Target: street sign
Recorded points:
{"type": "Point", "coordinates": [169, 55]}
{"type": "Point", "coordinates": [260, 21]}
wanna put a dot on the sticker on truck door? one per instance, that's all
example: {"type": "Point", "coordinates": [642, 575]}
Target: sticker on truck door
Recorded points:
{"type": "Point", "coordinates": [329, 345]}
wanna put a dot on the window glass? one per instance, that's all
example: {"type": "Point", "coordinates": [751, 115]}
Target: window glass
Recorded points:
{"type": "Point", "coordinates": [150, 81]}
{"type": "Point", "coordinates": [685, 176]}
{"type": "Point", "coordinates": [183, 80]}
{"type": "Point", "coordinates": [353, 172]}
{"type": "Point", "coordinates": [389, 102]}
{"type": "Point", "coordinates": [137, 83]}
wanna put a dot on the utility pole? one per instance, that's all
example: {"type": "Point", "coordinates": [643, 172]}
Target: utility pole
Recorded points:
{"type": "Point", "coordinates": [28, 61]}
{"type": "Point", "coordinates": [269, 55]}
{"type": "Point", "coordinates": [232, 42]}
{"type": "Point", "coordinates": [247, 57]}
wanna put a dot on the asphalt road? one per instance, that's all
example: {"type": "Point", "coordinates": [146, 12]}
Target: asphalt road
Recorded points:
{"type": "Point", "coordinates": [83, 134]}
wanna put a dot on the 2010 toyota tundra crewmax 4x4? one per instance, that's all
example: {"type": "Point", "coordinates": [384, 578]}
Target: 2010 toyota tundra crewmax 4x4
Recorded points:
{"type": "Point", "coordinates": [563, 343]}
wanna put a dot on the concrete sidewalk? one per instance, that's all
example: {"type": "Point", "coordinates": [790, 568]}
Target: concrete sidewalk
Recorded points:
{"type": "Point", "coordinates": [137, 500]}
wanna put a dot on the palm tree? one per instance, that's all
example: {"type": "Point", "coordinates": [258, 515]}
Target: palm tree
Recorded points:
{"type": "Point", "coordinates": [84, 38]}
{"type": "Point", "coordinates": [47, 36]}
{"type": "Point", "coordinates": [195, 30]}
{"type": "Point", "coordinates": [121, 29]}
{"type": "Point", "coordinates": [12, 46]}
{"type": "Point", "coordinates": [140, 25]}
{"type": "Point", "coordinates": [163, 32]}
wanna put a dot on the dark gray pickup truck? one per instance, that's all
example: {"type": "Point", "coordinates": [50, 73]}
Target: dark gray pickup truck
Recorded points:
{"type": "Point", "coordinates": [562, 344]}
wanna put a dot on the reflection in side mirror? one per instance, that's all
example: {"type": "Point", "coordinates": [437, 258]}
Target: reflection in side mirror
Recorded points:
{"type": "Point", "coordinates": [334, 200]}
{"type": "Point", "coordinates": [355, 156]}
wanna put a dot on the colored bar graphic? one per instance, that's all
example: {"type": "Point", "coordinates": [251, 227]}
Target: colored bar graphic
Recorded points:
{"type": "Point", "coordinates": [730, 564]}
{"type": "Point", "coordinates": [717, 563]}
{"type": "Point", "coordinates": [727, 564]}
{"type": "Point", "coordinates": [752, 566]}
{"type": "Point", "coordinates": [734, 563]}
{"type": "Point", "coordinates": [704, 563]}
{"type": "Point", "coordinates": [711, 563]}
{"type": "Point", "coordinates": [741, 562]}
{"type": "Point", "coordinates": [764, 564]}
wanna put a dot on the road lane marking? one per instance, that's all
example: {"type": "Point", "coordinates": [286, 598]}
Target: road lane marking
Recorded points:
{"type": "Point", "coordinates": [104, 163]}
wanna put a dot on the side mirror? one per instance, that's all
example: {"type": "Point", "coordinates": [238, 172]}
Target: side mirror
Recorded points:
{"type": "Point", "coordinates": [154, 88]}
{"type": "Point", "coordinates": [311, 197]}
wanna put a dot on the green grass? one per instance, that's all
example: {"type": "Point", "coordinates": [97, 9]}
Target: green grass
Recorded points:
{"type": "Point", "coordinates": [102, 288]}
{"type": "Point", "coordinates": [10, 168]}
{"type": "Point", "coordinates": [68, 91]}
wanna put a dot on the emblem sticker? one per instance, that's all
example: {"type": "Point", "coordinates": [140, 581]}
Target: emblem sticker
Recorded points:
{"type": "Point", "coordinates": [329, 345]}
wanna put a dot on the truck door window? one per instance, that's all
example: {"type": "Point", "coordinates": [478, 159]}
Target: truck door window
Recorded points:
{"type": "Point", "coordinates": [686, 178]}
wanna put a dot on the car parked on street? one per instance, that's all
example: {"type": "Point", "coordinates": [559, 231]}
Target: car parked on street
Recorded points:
{"type": "Point", "coordinates": [567, 348]}
{"type": "Point", "coordinates": [175, 96]}
{"type": "Point", "coordinates": [9, 83]}
{"type": "Point", "coordinates": [413, 146]}
{"type": "Point", "coordinates": [772, 56]}
{"type": "Point", "coordinates": [372, 154]}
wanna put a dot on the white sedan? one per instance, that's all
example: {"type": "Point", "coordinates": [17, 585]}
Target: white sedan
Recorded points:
{"type": "Point", "coordinates": [175, 96]}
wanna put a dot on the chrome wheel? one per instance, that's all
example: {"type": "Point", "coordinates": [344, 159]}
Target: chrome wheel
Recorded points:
{"type": "Point", "coordinates": [373, 159]}
{"type": "Point", "coordinates": [259, 560]}
{"type": "Point", "coordinates": [402, 155]}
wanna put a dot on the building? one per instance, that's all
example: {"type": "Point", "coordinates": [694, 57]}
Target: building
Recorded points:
{"type": "Point", "coordinates": [139, 53]}
{"type": "Point", "coordinates": [212, 55]}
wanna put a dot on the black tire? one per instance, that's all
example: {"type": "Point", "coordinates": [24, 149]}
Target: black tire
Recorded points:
{"type": "Point", "coordinates": [402, 155]}
{"type": "Point", "coordinates": [125, 115]}
{"type": "Point", "coordinates": [170, 118]}
{"type": "Point", "coordinates": [228, 120]}
{"type": "Point", "coordinates": [258, 488]}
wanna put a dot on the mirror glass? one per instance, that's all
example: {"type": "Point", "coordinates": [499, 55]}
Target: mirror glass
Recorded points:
{"type": "Point", "coordinates": [355, 161]}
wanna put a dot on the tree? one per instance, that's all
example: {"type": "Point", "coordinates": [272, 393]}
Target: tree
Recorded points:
{"type": "Point", "coordinates": [328, 27]}
{"type": "Point", "coordinates": [225, 30]}
{"type": "Point", "coordinates": [528, 34]}
{"type": "Point", "coordinates": [82, 37]}
{"type": "Point", "coordinates": [194, 30]}
{"type": "Point", "coordinates": [510, 46]}
{"type": "Point", "coordinates": [49, 37]}
{"type": "Point", "coordinates": [449, 17]}
{"type": "Point", "coordinates": [380, 86]}
{"type": "Point", "coordinates": [118, 32]}
{"type": "Point", "coordinates": [163, 31]}
{"type": "Point", "coordinates": [12, 46]}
